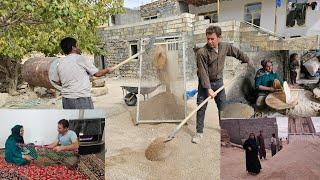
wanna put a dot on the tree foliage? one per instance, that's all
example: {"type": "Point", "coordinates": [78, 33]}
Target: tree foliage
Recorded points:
{"type": "Point", "coordinates": [39, 25]}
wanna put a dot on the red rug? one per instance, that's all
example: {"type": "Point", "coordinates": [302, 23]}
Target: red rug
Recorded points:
{"type": "Point", "coordinates": [32, 171]}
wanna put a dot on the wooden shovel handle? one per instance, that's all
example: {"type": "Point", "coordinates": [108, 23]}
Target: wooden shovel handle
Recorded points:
{"type": "Point", "coordinates": [127, 60]}
{"type": "Point", "coordinates": [200, 105]}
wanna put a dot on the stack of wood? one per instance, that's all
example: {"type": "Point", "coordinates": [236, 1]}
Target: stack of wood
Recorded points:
{"type": "Point", "coordinates": [225, 138]}
{"type": "Point", "coordinates": [98, 87]}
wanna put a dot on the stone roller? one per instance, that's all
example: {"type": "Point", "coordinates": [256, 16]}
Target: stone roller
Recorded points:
{"type": "Point", "coordinates": [159, 149]}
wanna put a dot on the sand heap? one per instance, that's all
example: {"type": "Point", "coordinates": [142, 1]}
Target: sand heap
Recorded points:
{"type": "Point", "coordinates": [299, 160]}
{"type": "Point", "coordinates": [237, 110]}
{"type": "Point", "coordinates": [158, 150]}
{"type": "Point", "coordinates": [164, 106]}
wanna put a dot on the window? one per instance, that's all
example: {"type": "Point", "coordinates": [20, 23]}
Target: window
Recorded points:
{"type": "Point", "coordinates": [184, 7]}
{"type": "Point", "coordinates": [149, 18]}
{"type": "Point", "coordinates": [133, 49]}
{"type": "Point", "coordinates": [296, 13]}
{"type": "Point", "coordinates": [212, 16]}
{"type": "Point", "coordinates": [113, 19]}
{"type": "Point", "coordinates": [172, 46]}
{"type": "Point", "coordinates": [103, 63]}
{"type": "Point", "coordinates": [252, 13]}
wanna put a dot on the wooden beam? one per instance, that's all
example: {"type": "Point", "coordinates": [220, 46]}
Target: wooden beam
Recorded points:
{"type": "Point", "coordinates": [199, 2]}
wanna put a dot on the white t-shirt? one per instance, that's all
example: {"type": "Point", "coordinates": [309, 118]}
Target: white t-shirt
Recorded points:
{"type": "Point", "coordinates": [274, 141]}
{"type": "Point", "coordinates": [74, 72]}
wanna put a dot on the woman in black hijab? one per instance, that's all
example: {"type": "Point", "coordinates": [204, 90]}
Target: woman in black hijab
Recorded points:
{"type": "Point", "coordinates": [253, 165]}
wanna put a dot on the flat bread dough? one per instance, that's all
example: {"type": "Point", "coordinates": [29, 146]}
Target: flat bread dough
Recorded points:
{"type": "Point", "coordinates": [287, 92]}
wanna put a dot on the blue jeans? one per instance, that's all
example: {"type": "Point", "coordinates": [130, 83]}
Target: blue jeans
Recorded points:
{"type": "Point", "coordinates": [202, 95]}
{"type": "Point", "coordinates": [77, 103]}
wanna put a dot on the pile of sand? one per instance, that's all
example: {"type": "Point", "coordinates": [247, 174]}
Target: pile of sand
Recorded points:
{"type": "Point", "coordinates": [237, 110]}
{"type": "Point", "coordinates": [158, 150]}
{"type": "Point", "coordinates": [164, 106]}
{"type": "Point", "coordinates": [298, 160]}
{"type": "Point", "coordinates": [127, 144]}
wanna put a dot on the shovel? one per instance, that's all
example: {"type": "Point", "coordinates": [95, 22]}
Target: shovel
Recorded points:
{"type": "Point", "coordinates": [158, 150]}
{"type": "Point", "coordinates": [177, 129]}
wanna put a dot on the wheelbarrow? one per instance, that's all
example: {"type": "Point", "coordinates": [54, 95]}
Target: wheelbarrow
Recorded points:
{"type": "Point", "coordinates": [130, 93]}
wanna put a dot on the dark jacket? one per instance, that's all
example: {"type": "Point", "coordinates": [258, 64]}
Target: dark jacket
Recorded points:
{"type": "Point", "coordinates": [211, 64]}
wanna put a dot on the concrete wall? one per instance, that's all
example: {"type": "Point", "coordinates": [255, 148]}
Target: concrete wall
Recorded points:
{"type": "Point", "coordinates": [239, 129]}
{"type": "Point", "coordinates": [202, 9]}
{"type": "Point", "coordinates": [234, 10]}
{"type": "Point", "coordinates": [312, 17]}
{"type": "Point", "coordinates": [129, 17]}
{"type": "Point", "coordinates": [40, 126]}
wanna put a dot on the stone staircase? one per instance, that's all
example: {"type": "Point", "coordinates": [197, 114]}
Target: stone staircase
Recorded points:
{"type": "Point", "coordinates": [251, 38]}
{"type": "Point", "coordinates": [265, 40]}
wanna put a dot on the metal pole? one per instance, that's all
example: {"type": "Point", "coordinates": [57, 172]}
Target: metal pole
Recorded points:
{"type": "Point", "coordinates": [184, 60]}
{"type": "Point", "coordinates": [140, 76]}
{"type": "Point", "coordinates": [218, 7]}
{"type": "Point", "coordinates": [275, 19]}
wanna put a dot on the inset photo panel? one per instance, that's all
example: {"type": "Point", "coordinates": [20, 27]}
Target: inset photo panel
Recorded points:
{"type": "Point", "coordinates": [270, 148]}
{"type": "Point", "coordinates": [52, 144]}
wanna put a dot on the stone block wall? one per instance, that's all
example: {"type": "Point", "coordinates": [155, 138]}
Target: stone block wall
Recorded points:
{"type": "Point", "coordinates": [192, 28]}
{"type": "Point", "coordinates": [162, 8]}
{"type": "Point", "coordinates": [239, 129]}
{"type": "Point", "coordinates": [117, 40]}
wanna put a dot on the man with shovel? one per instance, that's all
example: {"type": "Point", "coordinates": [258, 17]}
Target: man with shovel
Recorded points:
{"type": "Point", "coordinates": [73, 75]}
{"type": "Point", "coordinates": [210, 63]}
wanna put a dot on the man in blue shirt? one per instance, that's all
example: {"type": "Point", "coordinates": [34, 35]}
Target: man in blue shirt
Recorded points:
{"type": "Point", "coordinates": [67, 140]}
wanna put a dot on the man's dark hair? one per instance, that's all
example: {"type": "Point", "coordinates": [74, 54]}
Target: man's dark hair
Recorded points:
{"type": "Point", "coordinates": [213, 29]}
{"type": "Point", "coordinates": [292, 56]}
{"type": "Point", "coordinates": [265, 62]}
{"type": "Point", "coordinates": [64, 123]}
{"type": "Point", "coordinates": [273, 135]}
{"type": "Point", "coordinates": [67, 43]}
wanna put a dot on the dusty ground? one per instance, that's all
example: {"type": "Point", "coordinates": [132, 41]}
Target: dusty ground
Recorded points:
{"type": "Point", "coordinates": [126, 145]}
{"type": "Point", "coordinates": [297, 160]}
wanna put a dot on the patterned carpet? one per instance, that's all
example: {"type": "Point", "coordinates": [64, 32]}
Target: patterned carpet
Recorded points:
{"type": "Point", "coordinates": [90, 167]}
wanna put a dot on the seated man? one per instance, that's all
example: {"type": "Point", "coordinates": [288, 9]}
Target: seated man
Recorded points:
{"type": "Point", "coordinates": [64, 147]}
{"type": "Point", "coordinates": [266, 81]}
{"type": "Point", "coordinates": [67, 139]}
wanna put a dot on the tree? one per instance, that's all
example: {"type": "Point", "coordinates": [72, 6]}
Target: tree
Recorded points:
{"type": "Point", "coordinates": [39, 25]}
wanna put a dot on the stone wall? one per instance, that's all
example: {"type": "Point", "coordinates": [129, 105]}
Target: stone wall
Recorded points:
{"type": "Point", "coordinates": [192, 28]}
{"type": "Point", "coordinates": [117, 40]}
{"type": "Point", "coordinates": [239, 129]}
{"type": "Point", "coordinates": [162, 8]}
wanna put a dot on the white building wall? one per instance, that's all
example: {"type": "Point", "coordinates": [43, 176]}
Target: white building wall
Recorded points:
{"type": "Point", "coordinates": [234, 10]}
{"type": "Point", "coordinates": [312, 17]}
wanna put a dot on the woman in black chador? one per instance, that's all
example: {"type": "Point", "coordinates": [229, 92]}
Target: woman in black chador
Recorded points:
{"type": "Point", "coordinates": [252, 161]}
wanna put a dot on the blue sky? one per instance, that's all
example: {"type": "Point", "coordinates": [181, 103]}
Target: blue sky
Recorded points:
{"type": "Point", "coordinates": [135, 3]}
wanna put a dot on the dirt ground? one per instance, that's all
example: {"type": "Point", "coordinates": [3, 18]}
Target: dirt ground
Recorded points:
{"type": "Point", "coordinates": [126, 145]}
{"type": "Point", "coordinates": [297, 160]}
